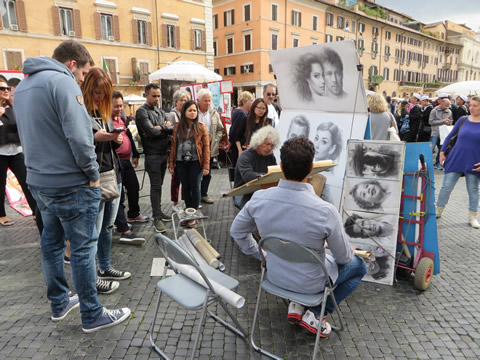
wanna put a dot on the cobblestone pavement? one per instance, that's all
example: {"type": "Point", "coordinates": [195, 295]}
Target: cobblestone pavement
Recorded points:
{"type": "Point", "coordinates": [386, 322]}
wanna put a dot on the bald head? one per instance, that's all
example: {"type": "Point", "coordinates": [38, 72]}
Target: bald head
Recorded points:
{"type": "Point", "coordinates": [445, 103]}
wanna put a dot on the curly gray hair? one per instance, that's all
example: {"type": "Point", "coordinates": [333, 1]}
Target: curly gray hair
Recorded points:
{"type": "Point", "coordinates": [202, 93]}
{"type": "Point", "coordinates": [266, 132]}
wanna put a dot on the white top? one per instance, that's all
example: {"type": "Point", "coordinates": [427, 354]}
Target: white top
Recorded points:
{"type": "Point", "coordinates": [206, 119]}
{"type": "Point", "coordinates": [272, 114]}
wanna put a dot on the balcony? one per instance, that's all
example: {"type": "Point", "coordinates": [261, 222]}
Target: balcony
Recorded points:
{"type": "Point", "coordinates": [411, 84]}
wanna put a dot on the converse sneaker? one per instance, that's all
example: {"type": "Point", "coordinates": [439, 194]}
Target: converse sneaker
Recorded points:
{"type": "Point", "coordinates": [310, 322]}
{"type": "Point", "coordinates": [66, 260]}
{"type": "Point", "coordinates": [106, 319]}
{"type": "Point", "coordinates": [112, 274]}
{"type": "Point", "coordinates": [73, 303]}
{"type": "Point", "coordinates": [295, 312]}
{"type": "Point", "coordinates": [107, 287]}
{"type": "Point", "coordinates": [139, 219]}
{"type": "Point", "coordinates": [131, 239]}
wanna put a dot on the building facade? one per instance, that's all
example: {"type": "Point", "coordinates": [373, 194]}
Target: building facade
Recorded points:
{"type": "Point", "coordinates": [130, 39]}
{"type": "Point", "coordinates": [399, 54]}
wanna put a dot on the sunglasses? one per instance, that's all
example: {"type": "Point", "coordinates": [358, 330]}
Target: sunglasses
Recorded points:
{"type": "Point", "coordinates": [3, 88]}
{"type": "Point", "coordinates": [270, 94]}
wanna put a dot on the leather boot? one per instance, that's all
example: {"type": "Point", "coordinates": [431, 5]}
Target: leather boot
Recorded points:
{"type": "Point", "coordinates": [472, 219]}
{"type": "Point", "coordinates": [440, 211]}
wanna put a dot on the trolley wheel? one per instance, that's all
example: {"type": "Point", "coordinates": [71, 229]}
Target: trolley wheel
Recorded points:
{"type": "Point", "coordinates": [423, 273]}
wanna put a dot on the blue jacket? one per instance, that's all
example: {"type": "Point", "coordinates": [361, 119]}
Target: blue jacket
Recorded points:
{"type": "Point", "coordinates": [54, 126]}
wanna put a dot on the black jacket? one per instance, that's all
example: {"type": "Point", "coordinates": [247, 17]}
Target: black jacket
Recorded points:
{"type": "Point", "coordinates": [8, 128]}
{"type": "Point", "coordinates": [154, 141]}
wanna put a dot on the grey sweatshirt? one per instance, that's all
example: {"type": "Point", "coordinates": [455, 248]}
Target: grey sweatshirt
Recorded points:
{"type": "Point", "coordinates": [54, 126]}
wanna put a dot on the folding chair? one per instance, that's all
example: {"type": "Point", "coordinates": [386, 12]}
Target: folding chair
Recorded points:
{"type": "Point", "coordinates": [297, 253]}
{"type": "Point", "coordinates": [189, 294]}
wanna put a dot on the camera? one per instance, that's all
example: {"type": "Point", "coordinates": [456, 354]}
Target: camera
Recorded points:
{"type": "Point", "coordinates": [187, 156]}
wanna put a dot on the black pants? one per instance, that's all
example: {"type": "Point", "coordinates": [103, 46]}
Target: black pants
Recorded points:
{"type": "Point", "coordinates": [206, 180]}
{"type": "Point", "coordinates": [156, 166]}
{"type": "Point", "coordinates": [130, 183]}
{"type": "Point", "coordinates": [190, 174]}
{"type": "Point", "coordinates": [16, 163]}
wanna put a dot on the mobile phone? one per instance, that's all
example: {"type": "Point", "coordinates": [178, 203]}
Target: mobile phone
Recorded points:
{"type": "Point", "coordinates": [118, 130]}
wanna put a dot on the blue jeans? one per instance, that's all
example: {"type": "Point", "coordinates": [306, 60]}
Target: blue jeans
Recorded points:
{"type": "Point", "coordinates": [435, 140]}
{"type": "Point", "coordinates": [449, 181]}
{"type": "Point", "coordinates": [107, 213]}
{"type": "Point", "coordinates": [70, 213]}
{"type": "Point", "coordinates": [190, 175]}
{"type": "Point", "coordinates": [349, 277]}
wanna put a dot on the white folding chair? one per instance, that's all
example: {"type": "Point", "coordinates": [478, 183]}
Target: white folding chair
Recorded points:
{"type": "Point", "coordinates": [189, 294]}
{"type": "Point", "coordinates": [293, 252]}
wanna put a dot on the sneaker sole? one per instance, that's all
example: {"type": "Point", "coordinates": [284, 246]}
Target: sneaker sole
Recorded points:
{"type": "Point", "coordinates": [294, 318]}
{"type": "Point", "coordinates": [132, 242]}
{"type": "Point", "coordinates": [118, 321]}
{"type": "Point", "coordinates": [112, 278]}
{"type": "Point", "coordinates": [166, 219]}
{"type": "Point", "coordinates": [312, 329]}
{"type": "Point", "coordinates": [109, 291]}
{"type": "Point", "coordinates": [131, 221]}
{"type": "Point", "coordinates": [159, 231]}
{"type": "Point", "coordinates": [64, 315]}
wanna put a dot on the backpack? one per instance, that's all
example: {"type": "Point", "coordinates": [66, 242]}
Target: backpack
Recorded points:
{"type": "Point", "coordinates": [405, 127]}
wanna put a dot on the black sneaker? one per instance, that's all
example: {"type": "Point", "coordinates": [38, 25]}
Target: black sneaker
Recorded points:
{"type": "Point", "coordinates": [112, 274]}
{"type": "Point", "coordinates": [107, 287]}
{"type": "Point", "coordinates": [165, 217]}
{"type": "Point", "coordinates": [66, 260]}
{"type": "Point", "coordinates": [131, 239]}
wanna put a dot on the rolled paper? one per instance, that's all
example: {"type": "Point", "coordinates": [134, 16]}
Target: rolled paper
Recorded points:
{"type": "Point", "coordinates": [202, 249]}
{"type": "Point", "coordinates": [229, 296]}
{"type": "Point", "coordinates": [364, 254]}
{"type": "Point", "coordinates": [207, 244]}
{"type": "Point", "coordinates": [188, 247]}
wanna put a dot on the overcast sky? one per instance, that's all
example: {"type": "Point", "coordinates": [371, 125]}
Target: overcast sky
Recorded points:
{"type": "Point", "coordinates": [459, 11]}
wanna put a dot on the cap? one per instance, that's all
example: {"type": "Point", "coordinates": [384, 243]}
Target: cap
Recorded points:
{"type": "Point", "coordinates": [424, 97]}
{"type": "Point", "coordinates": [464, 98]}
{"type": "Point", "coordinates": [404, 102]}
{"type": "Point", "coordinates": [417, 95]}
{"type": "Point", "coordinates": [442, 95]}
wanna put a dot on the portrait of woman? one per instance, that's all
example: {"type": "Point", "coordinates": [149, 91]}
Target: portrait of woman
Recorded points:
{"type": "Point", "coordinates": [364, 226]}
{"type": "Point", "coordinates": [308, 77]}
{"type": "Point", "coordinates": [374, 160]}
{"type": "Point", "coordinates": [369, 195]}
{"type": "Point", "coordinates": [328, 141]}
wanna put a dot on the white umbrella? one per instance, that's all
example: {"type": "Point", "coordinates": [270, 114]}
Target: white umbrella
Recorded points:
{"type": "Point", "coordinates": [186, 71]}
{"type": "Point", "coordinates": [461, 88]}
{"type": "Point", "coordinates": [134, 100]}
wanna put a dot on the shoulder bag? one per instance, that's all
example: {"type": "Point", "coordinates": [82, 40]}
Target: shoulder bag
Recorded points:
{"type": "Point", "coordinates": [392, 131]}
{"type": "Point", "coordinates": [108, 180]}
{"type": "Point", "coordinates": [453, 139]}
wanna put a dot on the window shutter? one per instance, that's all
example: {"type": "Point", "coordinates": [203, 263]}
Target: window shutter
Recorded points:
{"type": "Point", "coordinates": [251, 68]}
{"type": "Point", "coordinates": [10, 60]}
{"type": "Point", "coordinates": [233, 16]}
{"type": "Point", "coordinates": [134, 31]}
{"type": "Point", "coordinates": [21, 17]}
{"type": "Point", "coordinates": [300, 20]}
{"type": "Point", "coordinates": [193, 39]}
{"type": "Point", "coordinates": [233, 68]}
{"type": "Point", "coordinates": [242, 69]}
{"type": "Point", "coordinates": [134, 66]}
{"type": "Point", "coordinates": [98, 27]}
{"type": "Point", "coordinates": [293, 17]}
{"type": "Point", "coordinates": [76, 22]}
{"type": "Point", "coordinates": [224, 18]}
{"type": "Point", "coordinates": [1, 23]}
{"type": "Point", "coordinates": [164, 35]}
{"type": "Point", "coordinates": [56, 21]}
{"type": "Point", "coordinates": [112, 70]}
{"type": "Point", "coordinates": [144, 72]}
{"type": "Point", "coordinates": [177, 37]}
{"type": "Point", "coordinates": [14, 60]}
{"type": "Point", "coordinates": [116, 28]}
{"type": "Point", "coordinates": [224, 71]}
{"type": "Point", "coordinates": [149, 33]}
{"type": "Point", "coordinates": [204, 41]}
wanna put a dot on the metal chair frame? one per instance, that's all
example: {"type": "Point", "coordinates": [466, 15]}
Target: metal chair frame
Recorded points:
{"type": "Point", "coordinates": [173, 253]}
{"type": "Point", "coordinates": [294, 252]}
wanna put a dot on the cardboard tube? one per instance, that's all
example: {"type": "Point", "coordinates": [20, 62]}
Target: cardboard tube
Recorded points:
{"type": "Point", "coordinates": [187, 245]}
{"type": "Point", "coordinates": [207, 244]}
{"type": "Point", "coordinates": [202, 249]}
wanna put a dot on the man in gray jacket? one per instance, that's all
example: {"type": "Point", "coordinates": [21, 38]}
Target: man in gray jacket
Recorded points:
{"type": "Point", "coordinates": [316, 222]}
{"type": "Point", "coordinates": [440, 115]}
{"type": "Point", "coordinates": [62, 174]}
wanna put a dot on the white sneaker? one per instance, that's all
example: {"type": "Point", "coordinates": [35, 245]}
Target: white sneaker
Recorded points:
{"type": "Point", "coordinates": [295, 312]}
{"type": "Point", "coordinates": [177, 208]}
{"type": "Point", "coordinates": [310, 322]}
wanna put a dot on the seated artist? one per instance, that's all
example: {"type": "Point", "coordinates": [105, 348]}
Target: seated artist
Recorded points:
{"type": "Point", "coordinates": [254, 161]}
{"type": "Point", "coordinates": [293, 212]}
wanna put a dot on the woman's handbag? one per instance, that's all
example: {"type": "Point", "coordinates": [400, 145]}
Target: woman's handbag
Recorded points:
{"type": "Point", "coordinates": [392, 131]}
{"type": "Point", "coordinates": [453, 139]}
{"type": "Point", "coordinates": [108, 180]}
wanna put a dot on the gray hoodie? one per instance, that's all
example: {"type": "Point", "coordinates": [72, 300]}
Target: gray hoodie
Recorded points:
{"type": "Point", "coordinates": [54, 126]}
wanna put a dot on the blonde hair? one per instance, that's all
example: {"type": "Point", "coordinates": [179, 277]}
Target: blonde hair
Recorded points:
{"type": "Point", "coordinates": [244, 97]}
{"type": "Point", "coordinates": [98, 79]}
{"type": "Point", "coordinates": [475, 98]}
{"type": "Point", "coordinates": [377, 104]}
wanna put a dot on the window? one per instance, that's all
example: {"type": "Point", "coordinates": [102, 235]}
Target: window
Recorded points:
{"type": "Point", "coordinates": [354, 26]}
{"type": "Point", "coordinates": [386, 74]}
{"type": "Point", "coordinates": [361, 46]}
{"type": "Point", "coordinates": [142, 32]}
{"type": "Point", "coordinates": [388, 35]}
{"type": "Point", "coordinates": [314, 23]}
{"type": "Point", "coordinates": [198, 41]}
{"type": "Point", "coordinates": [270, 68]}
{"type": "Point", "coordinates": [229, 18]}
{"type": "Point", "coordinates": [338, 38]}
{"type": "Point", "coordinates": [328, 38]}
{"type": "Point", "coordinates": [387, 52]}
{"type": "Point", "coordinates": [396, 76]}
{"type": "Point", "coordinates": [340, 22]}
{"type": "Point", "coordinates": [274, 41]}
{"type": "Point", "coordinates": [329, 19]}
{"type": "Point", "coordinates": [246, 12]}
{"type": "Point", "coordinates": [107, 26]}
{"type": "Point", "coordinates": [295, 42]}
{"type": "Point", "coordinates": [229, 70]}
{"type": "Point", "coordinates": [141, 68]}
{"type": "Point", "coordinates": [274, 12]}
{"type": "Point", "coordinates": [110, 66]}
{"type": "Point", "coordinates": [296, 18]}
{"type": "Point", "coordinates": [215, 21]}
{"type": "Point", "coordinates": [398, 38]}
{"type": "Point", "coordinates": [374, 49]}
{"type": "Point", "coordinates": [14, 60]}
{"type": "Point", "coordinates": [361, 27]}
{"type": "Point", "coordinates": [215, 48]}
{"type": "Point", "coordinates": [230, 45]}
{"type": "Point", "coordinates": [66, 21]}
{"type": "Point", "coordinates": [246, 69]}
{"type": "Point", "coordinates": [9, 14]}
{"type": "Point", "coordinates": [374, 30]}
{"type": "Point", "coordinates": [247, 42]}
{"type": "Point", "coordinates": [171, 36]}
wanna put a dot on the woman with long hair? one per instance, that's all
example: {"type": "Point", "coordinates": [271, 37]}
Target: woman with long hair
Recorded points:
{"type": "Point", "coordinates": [257, 118]}
{"type": "Point", "coordinates": [239, 123]}
{"type": "Point", "coordinates": [97, 93]}
{"type": "Point", "coordinates": [190, 153]}
{"type": "Point", "coordinates": [463, 159]}
{"type": "Point", "coordinates": [11, 153]}
{"type": "Point", "coordinates": [380, 118]}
